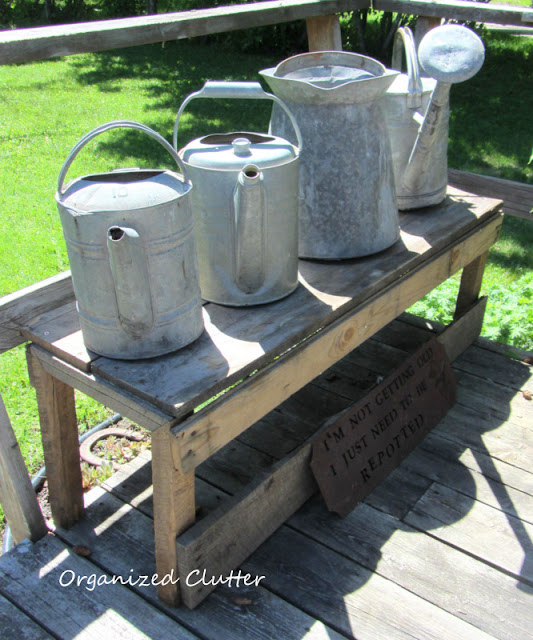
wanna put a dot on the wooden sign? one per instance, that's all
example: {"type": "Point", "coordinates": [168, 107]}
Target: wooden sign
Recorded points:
{"type": "Point", "coordinates": [359, 447]}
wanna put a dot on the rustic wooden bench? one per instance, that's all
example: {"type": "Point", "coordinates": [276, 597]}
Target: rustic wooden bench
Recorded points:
{"type": "Point", "coordinates": [258, 357]}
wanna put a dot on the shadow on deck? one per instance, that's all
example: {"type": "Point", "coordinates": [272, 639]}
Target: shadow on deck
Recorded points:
{"type": "Point", "coordinates": [442, 549]}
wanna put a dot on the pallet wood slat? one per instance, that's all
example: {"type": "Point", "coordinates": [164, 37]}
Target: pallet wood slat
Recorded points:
{"type": "Point", "coordinates": [21, 307]}
{"type": "Point", "coordinates": [174, 511]}
{"type": "Point", "coordinates": [106, 393]}
{"type": "Point", "coordinates": [24, 45]}
{"type": "Point", "coordinates": [59, 332]}
{"type": "Point", "coordinates": [204, 433]}
{"type": "Point", "coordinates": [470, 286]}
{"type": "Point", "coordinates": [17, 496]}
{"type": "Point", "coordinates": [59, 432]}
{"type": "Point", "coordinates": [260, 508]}
{"type": "Point", "coordinates": [245, 339]}
{"type": "Point", "coordinates": [226, 538]}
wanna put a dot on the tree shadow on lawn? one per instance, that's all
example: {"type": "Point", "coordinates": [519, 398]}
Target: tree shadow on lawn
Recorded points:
{"type": "Point", "coordinates": [519, 259]}
{"type": "Point", "coordinates": [491, 113]}
{"type": "Point", "coordinates": [172, 73]}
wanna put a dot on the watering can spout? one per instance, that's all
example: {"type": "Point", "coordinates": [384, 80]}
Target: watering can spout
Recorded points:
{"type": "Point", "coordinates": [450, 53]}
{"type": "Point", "coordinates": [130, 278]}
{"type": "Point", "coordinates": [249, 233]}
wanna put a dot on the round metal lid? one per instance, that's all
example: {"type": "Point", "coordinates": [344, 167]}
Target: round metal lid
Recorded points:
{"type": "Point", "coordinates": [123, 190]}
{"type": "Point", "coordinates": [233, 151]}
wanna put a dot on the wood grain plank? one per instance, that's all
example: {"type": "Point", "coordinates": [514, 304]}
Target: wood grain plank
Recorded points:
{"type": "Point", "coordinates": [470, 286]}
{"type": "Point", "coordinates": [132, 483]}
{"type": "Point", "coordinates": [461, 333]}
{"type": "Point", "coordinates": [121, 539]}
{"type": "Point", "coordinates": [21, 307]}
{"type": "Point", "coordinates": [347, 595]}
{"type": "Point", "coordinates": [17, 496]}
{"type": "Point", "coordinates": [59, 332]}
{"type": "Point", "coordinates": [108, 394]}
{"type": "Point", "coordinates": [457, 10]}
{"type": "Point", "coordinates": [59, 432]}
{"type": "Point", "coordinates": [16, 625]}
{"type": "Point", "coordinates": [224, 539]}
{"type": "Point", "coordinates": [238, 341]}
{"type": "Point", "coordinates": [450, 579]}
{"type": "Point", "coordinates": [517, 196]}
{"type": "Point", "coordinates": [324, 33]}
{"type": "Point", "coordinates": [497, 538]}
{"type": "Point", "coordinates": [24, 45]}
{"type": "Point", "coordinates": [206, 432]}
{"type": "Point", "coordinates": [174, 512]}
{"type": "Point", "coordinates": [31, 577]}
{"type": "Point", "coordinates": [474, 475]}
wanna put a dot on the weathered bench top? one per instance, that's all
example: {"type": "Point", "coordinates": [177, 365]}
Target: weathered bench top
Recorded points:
{"type": "Point", "coordinates": [239, 341]}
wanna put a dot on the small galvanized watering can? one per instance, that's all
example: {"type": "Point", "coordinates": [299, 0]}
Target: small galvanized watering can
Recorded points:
{"type": "Point", "coordinates": [132, 254]}
{"type": "Point", "coordinates": [417, 109]}
{"type": "Point", "coordinates": [245, 203]}
{"type": "Point", "coordinates": [347, 193]}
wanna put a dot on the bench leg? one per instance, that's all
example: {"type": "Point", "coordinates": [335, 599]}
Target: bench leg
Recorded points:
{"type": "Point", "coordinates": [470, 284]}
{"type": "Point", "coordinates": [174, 511]}
{"type": "Point", "coordinates": [59, 432]}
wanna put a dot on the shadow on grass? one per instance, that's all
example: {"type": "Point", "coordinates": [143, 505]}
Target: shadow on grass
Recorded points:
{"type": "Point", "coordinates": [519, 234]}
{"type": "Point", "coordinates": [172, 73]}
{"type": "Point", "coordinates": [491, 113]}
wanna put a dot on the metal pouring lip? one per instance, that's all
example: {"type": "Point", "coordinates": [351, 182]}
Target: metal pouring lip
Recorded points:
{"type": "Point", "coordinates": [336, 77]}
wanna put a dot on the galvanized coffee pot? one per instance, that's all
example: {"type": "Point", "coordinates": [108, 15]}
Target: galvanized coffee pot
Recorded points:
{"type": "Point", "coordinates": [347, 193]}
{"type": "Point", "coordinates": [417, 109]}
{"type": "Point", "coordinates": [245, 204]}
{"type": "Point", "coordinates": [132, 254]}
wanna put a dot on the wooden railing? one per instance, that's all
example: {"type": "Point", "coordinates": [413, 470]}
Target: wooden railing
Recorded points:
{"type": "Point", "coordinates": [25, 45]}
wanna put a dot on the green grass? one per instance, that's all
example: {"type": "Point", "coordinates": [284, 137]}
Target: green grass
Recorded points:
{"type": "Point", "coordinates": [46, 107]}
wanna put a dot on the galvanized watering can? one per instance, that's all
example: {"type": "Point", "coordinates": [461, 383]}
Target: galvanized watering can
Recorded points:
{"type": "Point", "coordinates": [132, 254]}
{"type": "Point", "coordinates": [417, 109]}
{"type": "Point", "coordinates": [245, 203]}
{"type": "Point", "coordinates": [347, 193]}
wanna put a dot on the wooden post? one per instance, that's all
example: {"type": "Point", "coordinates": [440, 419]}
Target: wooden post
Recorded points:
{"type": "Point", "coordinates": [423, 25]}
{"type": "Point", "coordinates": [174, 511]}
{"type": "Point", "coordinates": [470, 284]}
{"type": "Point", "coordinates": [324, 33]}
{"type": "Point", "coordinates": [59, 432]}
{"type": "Point", "coordinates": [17, 496]}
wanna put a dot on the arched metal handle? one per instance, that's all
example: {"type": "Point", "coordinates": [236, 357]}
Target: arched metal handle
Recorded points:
{"type": "Point", "coordinates": [235, 90]}
{"type": "Point", "coordinates": [404, 40]}
{"type": "Point", "coordinates": [116, 124]}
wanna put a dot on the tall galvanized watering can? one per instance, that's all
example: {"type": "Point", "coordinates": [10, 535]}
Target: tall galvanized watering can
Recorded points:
{"type": "Point", "coordinates": [347, 193]}
{"type": "Point", "coordinates": [132, 254]}
{"type": "Point", "coordinates": [245, 204]}
{"type": "Point", "coordinates": [417, 109]}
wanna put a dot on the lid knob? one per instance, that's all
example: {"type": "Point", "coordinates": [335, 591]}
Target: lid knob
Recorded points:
{"type": "Point", "coordinates": [241, 147]}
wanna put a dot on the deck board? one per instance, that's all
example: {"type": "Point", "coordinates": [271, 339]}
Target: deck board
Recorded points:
{"type": "Point", "coordinates": [442, 549]}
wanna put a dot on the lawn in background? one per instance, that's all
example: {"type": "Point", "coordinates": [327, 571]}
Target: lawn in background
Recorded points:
{"type": "Point", "coordinates": [45, 107]}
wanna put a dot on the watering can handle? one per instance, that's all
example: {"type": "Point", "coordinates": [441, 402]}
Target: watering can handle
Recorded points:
{"type": "Point", "coordinates": [404, 39]}
{"type": "Point", "coordinates": [116, 124]}
{"type": "Point", "coordinates": [240, 90]}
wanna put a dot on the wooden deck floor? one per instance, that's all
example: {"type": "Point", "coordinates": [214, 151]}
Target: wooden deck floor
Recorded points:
{"type": "Point", "coordinates": [443, 549]}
